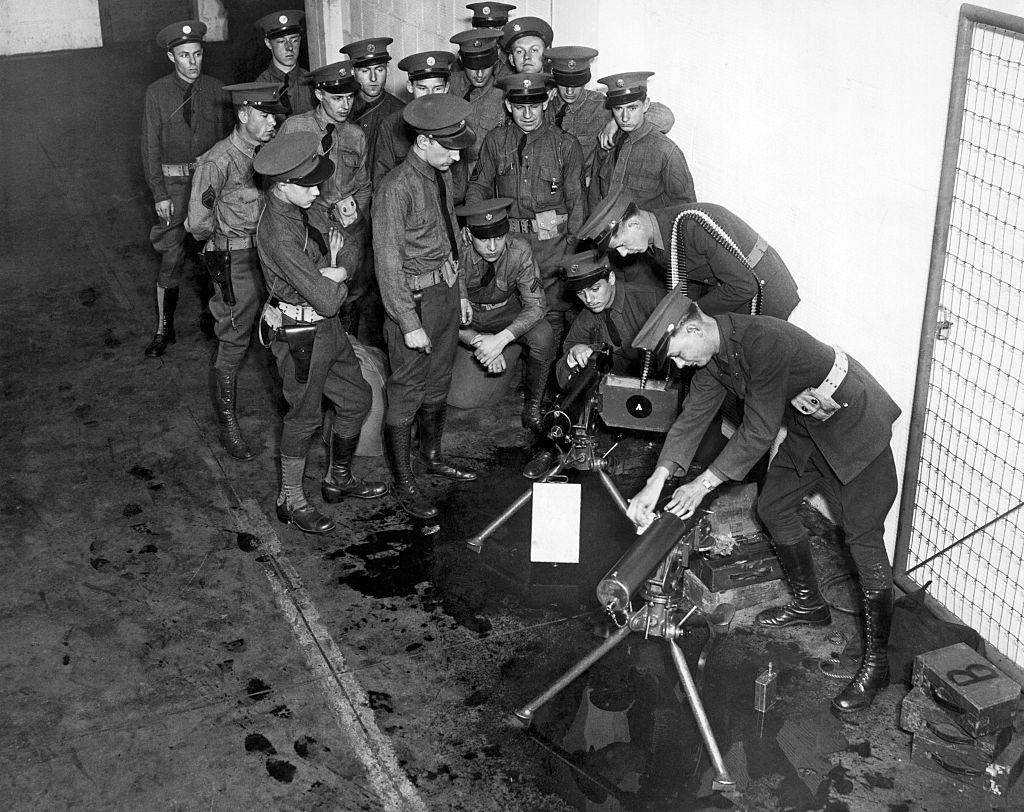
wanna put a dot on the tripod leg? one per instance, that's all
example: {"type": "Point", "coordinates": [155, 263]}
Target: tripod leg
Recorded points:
{"type": "Point", "coordinates": [722, 781]}
{"type": "Point", "coordinates": [524, 715]}
{"type": "Point", "coordinates": [613, 491]}
{"type": "Point", "coordinates": [476, 543]}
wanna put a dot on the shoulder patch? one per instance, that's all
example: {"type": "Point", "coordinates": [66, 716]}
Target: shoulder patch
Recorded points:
{"type": "Point", "coordinates": [209, 197]}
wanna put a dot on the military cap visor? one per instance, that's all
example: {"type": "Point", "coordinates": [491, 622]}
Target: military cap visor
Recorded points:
{"type": "Point", "coordinates": [428, 65]}
{"type": "Point", "coordinates": [657, 331]}
{"type": "Point", "coordinates": [281, 24]}
{"type": "Point", "coordinates": [526, 27]}
{"type": "Point", "coordinates": [525, 88]}
{"type": "Point", "coordinates": [570, 64]}
{"type": "Point", "coordinates": [489, 15]}
{"type": "Point", "coordinates": [584, 269]}
{"type": "Point", "coordinates": [605, 219]}
{"type": "Point", "coordinates": [262, 96]}
{"type": "Point", "coordinates": [366, 52]}
{"type": "Point", "coordinates": [181, 33]}
{"type": "Point", "coordinates": [441, 117]}
{"type": "Point", "coordinates": [294, 158]}
{"type": "Point", "coordinates": [486, 218]}
{"type": "Point", "coordinates": [477, 49]}
{"type": "Point", "coordinates": [624, 88]}
{"type": "Point", "coordinates": [337, 78]}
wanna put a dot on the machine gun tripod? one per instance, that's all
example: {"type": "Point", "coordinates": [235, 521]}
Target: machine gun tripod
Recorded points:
{"type": "Point", "coordinates": [570, 426]}
{"type": "Point", "coordinates": [661, 615]}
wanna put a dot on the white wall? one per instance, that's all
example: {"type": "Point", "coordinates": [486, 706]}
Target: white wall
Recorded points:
{"type": "Point", "coordinates": [819, 122]}
{"type": "Point", "coordinates": [48, 25]}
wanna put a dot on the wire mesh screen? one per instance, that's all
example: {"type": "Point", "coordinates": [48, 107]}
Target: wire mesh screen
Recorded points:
{"type": "Point", "coordinates": [971, 476]}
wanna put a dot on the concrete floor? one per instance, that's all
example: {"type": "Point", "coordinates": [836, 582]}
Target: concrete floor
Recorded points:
{"type": "Point", "coordinates": [168, 645]}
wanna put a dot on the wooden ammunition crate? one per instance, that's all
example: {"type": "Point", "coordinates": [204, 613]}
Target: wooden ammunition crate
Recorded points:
{"type": "Point", "coordinates": [749, 564]}
{"type": "Point", "coordinates": [993, 763]}
{"type": "Point", "coordinates": [765, 592]}
{"type": "Point", "coordinates": [971, 690]}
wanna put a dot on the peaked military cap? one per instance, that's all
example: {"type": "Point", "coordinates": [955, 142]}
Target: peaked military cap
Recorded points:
{"type": "Point", "coordinates": [294, 158]}
{"type": "Point", "coordinates": [606, 217]}
{"type": "Point", "coordinates": [584, 269]}
{"type": "Point", "coordinates": [428, 65]}
{"type": "Point", "coordinates": [366, 52]}
{"type": "Point", "coordinates": [262, 96]}
{"type": "Point", "coordinates": [624, 88]}
{"type": "Point", "coordinates": [179, 33]}
{"type": "Point", "coordinates": [486, 218]}
{"type": "Point", "coordinates": [659, 327]}
{"type": "Point", "coordinates": [489, 15]}
{"type": "Point", "coordinates": [478, 48]}
{"type": "Point", "coordinates": [525, 88]}
{"type": "Point", "coordinates": [335, 78]}
{"type": "Point", "coordinates": [281, 24]}
{"type": "Point", "coordinates": [443, 118]}
{"type": "Point", "coordinates": [526, 27]}
{"type": "Point", "coordinates": [570, 64]}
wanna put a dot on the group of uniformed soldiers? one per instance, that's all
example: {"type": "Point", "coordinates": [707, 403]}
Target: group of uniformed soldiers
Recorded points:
{"type": "Point", "coordinates": [331, 200]}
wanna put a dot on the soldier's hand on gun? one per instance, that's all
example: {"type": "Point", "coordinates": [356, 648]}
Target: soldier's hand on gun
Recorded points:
{"type": "Point", "coordinates": [641, 507]}
{"type": "Point", "coordinates": [165, 211]}
{"type": "Point", "coordinates": [418, 340]}
{"type": "Point", "coordinates": [466, 314]}
{"type": "Point", "coordinates": [335, 274]}
{"type": "Point", "coordinates": [578, 355]}
{"type": "Point", "coordinates": [335, 242]}
{"type": "Point", "coordinates": [686, 499]}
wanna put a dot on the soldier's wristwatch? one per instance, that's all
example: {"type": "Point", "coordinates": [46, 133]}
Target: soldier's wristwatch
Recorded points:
{"type": "Point", "coordinates": [706, 482]}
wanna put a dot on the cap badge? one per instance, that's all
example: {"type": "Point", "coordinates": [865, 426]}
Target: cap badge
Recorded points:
{"type": "Point", "coordinates": [430, 61]}
{"type": "Point", "coordinates": [571, 63]}
{"type": "Point", "coordinates": [574, 268]}
{"type": "Point", "coordinates": [370, 48]}
{"type": "Point", "coordinates": [526, 84]}
{"type": "Point", "coordinates": [620, 82]}
{"type": "Point", "coordinates": [517, 28]}
{"type": "Point", "coordinates": [486, 9]}
{"type": "Point", "coordinates": [476, 43]}
{"type": "Point", "coordinates": [488, 216]}
{"type": "Point", "coordinates": [186, 29]}
{"type": "Point", "coordinates": [283, 18]}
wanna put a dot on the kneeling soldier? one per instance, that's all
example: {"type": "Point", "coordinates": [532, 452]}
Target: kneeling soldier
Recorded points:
{"type": "Point", "coordinates": [505, 292]}
{"type": "Point", "coordinates": [313, 354]}
{"type": "Point", "coordinates": [223, 210]}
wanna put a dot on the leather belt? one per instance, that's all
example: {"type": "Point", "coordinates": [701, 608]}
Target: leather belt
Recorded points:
{"type": "Point", "coordinates": [520, 226]}
{"type": "Point", "coordinates": [303, 313]}
{"type": "Point", "coordinates": [222, 243]}
{"type": "Point", "coordinates": [490, 305]}
{"type": "Point", "coordinates": [758, 251]}
{"type": "Point", "coordinates": [178, 170]}
{"type": "Point", "coordinates": [816, 401]}
{"type": "Point", "coordinates": [424, 280]}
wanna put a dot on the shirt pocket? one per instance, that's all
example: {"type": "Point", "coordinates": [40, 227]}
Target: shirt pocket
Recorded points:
{"type": "Point", "coordinates": [548, 188]}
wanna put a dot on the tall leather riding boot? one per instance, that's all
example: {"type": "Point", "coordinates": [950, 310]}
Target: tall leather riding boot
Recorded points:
{"type": "Point", "coordinates": [339, 481]}
{"type": "Point", "coordinates": [230, 432]}
{"type": "Point", "coordinates": [292, 507]}
{"type": "Point", "coordinates": [873, 674]}
{"type": "Point", "coordinates": [166, 302]}
{"type": "Point", "coordinates": [430, 427]}
{"type": "Point", "coordinates": [807, 606]}
{"type": "Point", "coordinates": [397, 446]}
{"type": "Point", "coordinates": [537, 373]}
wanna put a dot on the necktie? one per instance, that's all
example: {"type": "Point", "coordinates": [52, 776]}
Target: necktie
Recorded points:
{"type": "Point", "coordinates": [315, 235]}
{"type": "Point", "coordinates": [186, 104]}
{"type": "Point", "coordinates": [285, 98]}
{"type": "Point", "coordinates": [468, 93]}
{"type": "Point", "coordinates": [619, 140]}
{"type": "Point", "coordinates": [560, 115]}
{"type": "Point", "coordinates": [488, 276]}
{"type": "Point", "coordinates": [442, 197]}
{"type": "Point", "coordinates": [327, 141]}
{"type": "Point", "coordinates": [520, 147]}
{"type": "Point", "coordinates": [613, 332]}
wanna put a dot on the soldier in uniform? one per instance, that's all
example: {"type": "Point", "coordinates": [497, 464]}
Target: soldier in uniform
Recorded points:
{"type": "Point", "coordinates": [839, 426]}
{"type": "Point", "coordinates": [613, 314]}
{"type": "Point", "coordinates": [373, 104]}
{"type": "Point", "coordinates": [505, 292]}
{"type": "Point", "coordinates": [345, 195]}
{"type": "Point", "coordinates": [474, 81]}
{"type": "Point", "coordinates": [641, 159]}
{"type": "Point", "coordinates": [428, 73]}
{"type": "Point", "coordinates": [282, 34]}
{"type": "Point", "coordinates": [298, 246]}
{"type": "Point", "coordinates": [184, 116]}
{"type": "Point", "coordinates": [417, 255]}
{"type": "Point", "coordinates": [721, 260]}
{"type": "Point", "coordinates": [524, 40]}
{"type": "Point", "coordinates": [540, 167]}
{"type": "Point", "coordinates": [223, 211]}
